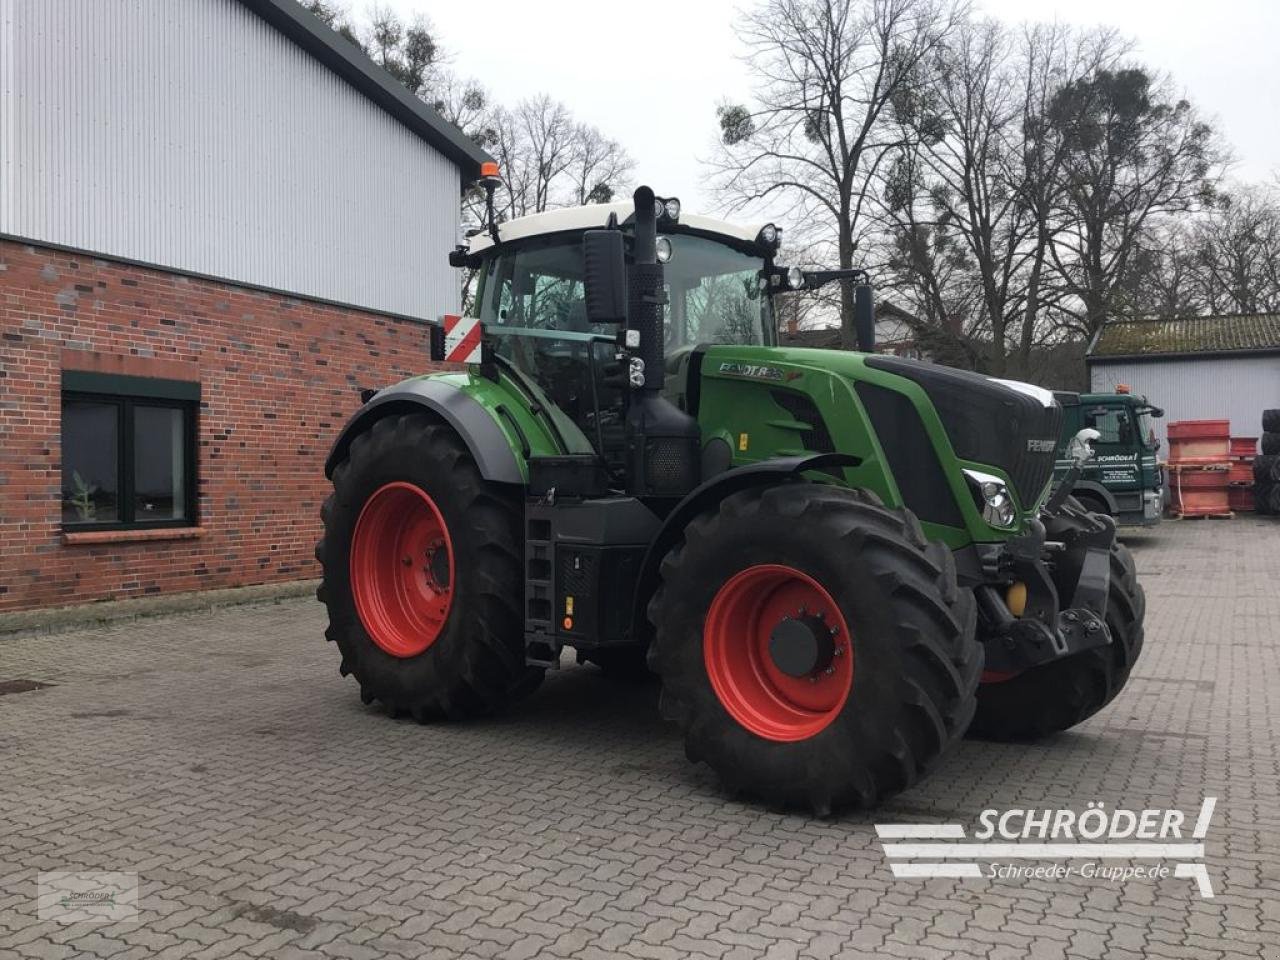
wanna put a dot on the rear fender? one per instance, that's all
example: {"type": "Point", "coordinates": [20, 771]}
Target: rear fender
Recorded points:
{"type": "Point", "coordinates": [703, 498]}
{"type": "Point", "coordinates": [499, 432]}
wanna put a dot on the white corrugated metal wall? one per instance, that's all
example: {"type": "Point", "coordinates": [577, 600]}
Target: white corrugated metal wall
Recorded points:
{"type": "Point", "coordinates": [1214, 388]}
{"type": "Point", "coordinates": [191, 134]}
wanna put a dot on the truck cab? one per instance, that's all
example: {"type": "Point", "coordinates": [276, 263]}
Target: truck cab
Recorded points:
{"type": "Point", "coordinates": [1123, 479]}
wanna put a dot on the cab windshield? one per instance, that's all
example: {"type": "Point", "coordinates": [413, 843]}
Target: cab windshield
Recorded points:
{"type": "Point", "coordinates": [714, 291]}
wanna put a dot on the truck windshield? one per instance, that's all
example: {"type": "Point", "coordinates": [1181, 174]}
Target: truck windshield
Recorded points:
{"type": "Point", "coordinates": [713, 291]}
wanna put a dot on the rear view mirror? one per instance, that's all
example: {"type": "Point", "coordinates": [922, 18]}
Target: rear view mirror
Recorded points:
{"type": "Point", "coordinates": [604, 276]}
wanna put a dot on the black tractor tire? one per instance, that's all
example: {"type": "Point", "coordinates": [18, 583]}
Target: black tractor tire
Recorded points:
{"type": "Point", "coordinates": [1262, 498]}
{"type": "Point", "coordinates": [1056, 696]}
{"type": "Point", "coordinates": [915, 661]}
{"type": "Point", "coordinates": [476, 664]}
{"type": "Point", "coordinates": [1266, 469]}
{"type": "Point", "coordinates": [1270, 444]}
{"type": "Point", "coordinates": [629, 664]}
{"type": "Point", "coordinates": [1271, 421]}
{"type": "Point", "coordinates": [1273, 501]}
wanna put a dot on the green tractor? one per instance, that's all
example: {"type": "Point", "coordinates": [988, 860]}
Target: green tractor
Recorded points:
{"type": "Point", "coordinates": [836, 563]}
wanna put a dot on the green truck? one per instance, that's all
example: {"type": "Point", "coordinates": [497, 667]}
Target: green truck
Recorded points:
{"type": "Point", "coordinates": [1123, 479]}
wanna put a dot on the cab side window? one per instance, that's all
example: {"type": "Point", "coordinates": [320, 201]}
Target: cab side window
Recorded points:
{"type": "Point", "coordinates": [1114, 425]}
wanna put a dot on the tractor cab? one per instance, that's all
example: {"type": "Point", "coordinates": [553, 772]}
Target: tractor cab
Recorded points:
{"type": "Point", "coordinates": [718, 284]}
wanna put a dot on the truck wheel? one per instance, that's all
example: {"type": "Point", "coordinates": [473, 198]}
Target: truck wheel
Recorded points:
{"type": "Point", "coordinates": [423, 574]}
{"type": "Point", "coordinates": [1271, 421]}
{"type": "Point", "coordinates": [1058, 695]}
{"type": "Point", "coordinates": [1270, 443]}
{"type": "Point", "coordinates": [813, 647]}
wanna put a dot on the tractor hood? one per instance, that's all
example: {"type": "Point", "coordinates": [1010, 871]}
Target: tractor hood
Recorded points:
{"type": "Point", "coordinates": [1005, 424]}
{"type": "Point", "coordinates": [1011, 425]}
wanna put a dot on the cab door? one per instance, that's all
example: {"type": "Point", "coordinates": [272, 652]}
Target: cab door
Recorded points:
{"type": "Point", "coordinates": [1116, 464]}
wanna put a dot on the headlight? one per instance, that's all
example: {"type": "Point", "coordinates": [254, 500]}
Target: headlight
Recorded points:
{"type": "Point", "coordinates": [795, 278]}
{"type": "Point", "coordinates": [992, 497]}
{"type": "Point", "coordinates": [664, 250]}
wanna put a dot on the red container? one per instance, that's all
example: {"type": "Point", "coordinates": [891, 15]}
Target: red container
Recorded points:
{"type": "Point", "coordinates": [1199, 441]}
{"type": "Point", "coordinates": [1240, 498]}
{"type": "Point", "coordinates": [1244, 446]}
{"type": "Point", "coordinates": [1196, 491]}
{"type": "Point", "coordinates": [1241, 473]}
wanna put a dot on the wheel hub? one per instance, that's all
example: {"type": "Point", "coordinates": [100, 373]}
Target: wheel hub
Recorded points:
{"type": "Point", "coordinates": [402, 569]}
{"type": "Point", "coordinates": [802, 645]}
{"type": "Point", "coordinates": [778, 652]}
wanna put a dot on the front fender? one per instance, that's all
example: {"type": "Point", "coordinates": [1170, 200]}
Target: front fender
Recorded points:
{"type": "Point", "coordinates": [499, 432]}
{"type": "Point", "coordinates": [709, 493]}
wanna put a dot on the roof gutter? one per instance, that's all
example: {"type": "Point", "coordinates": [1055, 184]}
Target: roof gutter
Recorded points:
{"type": "Point", "coordinates": [1182, 355]}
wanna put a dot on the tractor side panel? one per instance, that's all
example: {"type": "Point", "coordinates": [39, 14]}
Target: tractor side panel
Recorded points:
{"type": "Point", "coordinates": [764, 402]}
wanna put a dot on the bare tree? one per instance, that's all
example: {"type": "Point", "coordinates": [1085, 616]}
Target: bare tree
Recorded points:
{"type": "Point", "coordinates": [1235, 253]}
{"type": "Point", "coordinates": [1134, 154]}
{"type": "Point", "coordinates": [829, 74]}
{"type": "Point", "coordinates": [405, 50]}
{"type": "Point", "coordinates": [598, 167]}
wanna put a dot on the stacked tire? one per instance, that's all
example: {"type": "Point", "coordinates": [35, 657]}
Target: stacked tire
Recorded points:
{"type": "Point", "coordinates": [1266, 468]}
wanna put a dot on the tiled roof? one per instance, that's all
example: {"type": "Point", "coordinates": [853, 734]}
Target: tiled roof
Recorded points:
{"type": "Point", "coordinates": [1245, 333]}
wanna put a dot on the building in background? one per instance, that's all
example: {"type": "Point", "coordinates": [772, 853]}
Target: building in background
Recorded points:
{"type": "Point", "coordinates": [1196, 368]}
{"type": "Point", "coordinates": [219, 221]}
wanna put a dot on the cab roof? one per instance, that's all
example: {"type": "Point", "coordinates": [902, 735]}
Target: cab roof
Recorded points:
{"type": "Point", "coordinates": [571, 219]}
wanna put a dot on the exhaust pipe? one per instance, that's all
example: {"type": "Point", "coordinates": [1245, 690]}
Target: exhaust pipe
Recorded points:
{"type": "Point", "coordinates": [664, 451]}
{"type": "Point", "coordinates": [645, 300]}
{"type": "Point", "coordinates": [864, 317]}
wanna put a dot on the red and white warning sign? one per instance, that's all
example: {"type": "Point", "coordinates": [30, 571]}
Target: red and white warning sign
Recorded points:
{"type": "Point", "coordinates": [461, 338]}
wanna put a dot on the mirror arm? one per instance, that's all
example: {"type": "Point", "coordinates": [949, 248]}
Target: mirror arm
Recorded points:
{"type": "Point", "coordinates": [813, 279]}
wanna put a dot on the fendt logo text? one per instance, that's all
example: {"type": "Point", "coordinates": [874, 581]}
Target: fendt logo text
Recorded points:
{"type": "Point", "coordinates": [1092, 844]}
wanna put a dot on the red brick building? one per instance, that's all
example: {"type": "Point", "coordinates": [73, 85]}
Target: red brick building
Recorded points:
{"type": "Point", "coordinates": [184, 324]}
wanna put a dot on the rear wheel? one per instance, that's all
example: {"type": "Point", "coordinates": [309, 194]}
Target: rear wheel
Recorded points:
{"type": "Point", "coordinates": [1050, 698]}
{"type": "Point", "coordinates": [813, 647]}
{"type": "Point", "coordinates": [422, 574]}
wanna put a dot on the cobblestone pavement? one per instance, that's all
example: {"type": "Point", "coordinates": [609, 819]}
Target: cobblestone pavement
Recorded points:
{"type": "Point", "coordinates": [267, 813]}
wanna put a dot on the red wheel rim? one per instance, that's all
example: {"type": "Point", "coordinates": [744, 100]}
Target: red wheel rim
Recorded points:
{"type": "Point", "coordinates": [736, 649]}
{"type": "Point", "coordinates": [402, 575]}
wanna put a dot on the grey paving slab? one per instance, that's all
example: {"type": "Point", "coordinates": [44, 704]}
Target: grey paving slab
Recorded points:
{"type": "Point", "coordinates": [267, 813]}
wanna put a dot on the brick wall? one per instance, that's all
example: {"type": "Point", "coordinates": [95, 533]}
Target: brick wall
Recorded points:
{"type": "Point", "coordinates": [280, 376]}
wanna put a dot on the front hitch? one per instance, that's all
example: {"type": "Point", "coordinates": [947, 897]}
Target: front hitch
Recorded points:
{"type": "Point", "coordinates": [1066, 583]}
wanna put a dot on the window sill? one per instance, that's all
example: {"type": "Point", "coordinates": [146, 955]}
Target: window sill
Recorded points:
{"type": "Point", "coordinates": [84, 537]}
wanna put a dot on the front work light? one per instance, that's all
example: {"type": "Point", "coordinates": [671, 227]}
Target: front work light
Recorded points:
{"type": "Point", "coordinates": [664, 250]}
{"type": "Point", "coordinates": [991, 496]}
{"type": "Point", "coordinates": [672, 208]}
{"type": "Point", "coordinates": [770, 235]}
{"type": "Point", "coordinates": [795, 278]}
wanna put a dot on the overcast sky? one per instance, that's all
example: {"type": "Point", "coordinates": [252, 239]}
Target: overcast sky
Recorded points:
{"type": "Point", "coordinates": [650, 74]}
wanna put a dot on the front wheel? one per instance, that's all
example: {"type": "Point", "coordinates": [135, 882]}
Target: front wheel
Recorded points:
{"type": "Point", "coordinates": [1058, 695]}
{"type": "Point", "coordinates": [813, 647]}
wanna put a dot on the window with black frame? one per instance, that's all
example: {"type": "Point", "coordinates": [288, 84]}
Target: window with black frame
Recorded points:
{"type": "Point", "coordinates": [128, 452]}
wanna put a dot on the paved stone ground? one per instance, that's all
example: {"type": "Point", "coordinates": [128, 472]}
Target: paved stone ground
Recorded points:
{"type": "Point", "coordinates": [268, 813]}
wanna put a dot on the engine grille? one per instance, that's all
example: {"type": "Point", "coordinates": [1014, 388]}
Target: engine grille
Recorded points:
{"type": "Point", "coordinates": [989, 423]}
